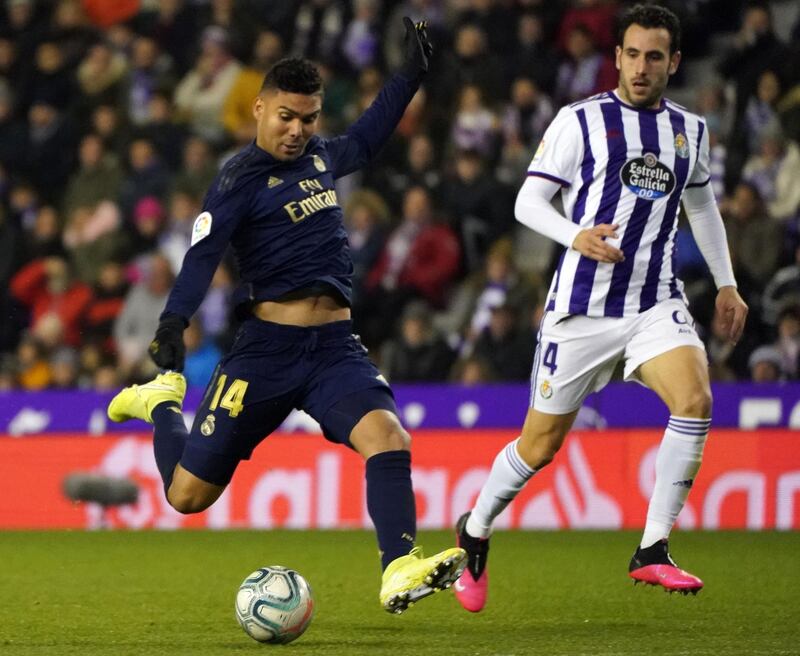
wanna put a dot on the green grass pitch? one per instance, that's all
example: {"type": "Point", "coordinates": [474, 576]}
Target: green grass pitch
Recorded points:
{"type": "Point", "coordinates": [171, 593]}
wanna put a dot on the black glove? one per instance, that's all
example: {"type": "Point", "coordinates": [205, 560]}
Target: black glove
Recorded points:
{"type": "Point", "coordinates": [167, 348]}
{"type": "Point", "coordinates": [418, 49]}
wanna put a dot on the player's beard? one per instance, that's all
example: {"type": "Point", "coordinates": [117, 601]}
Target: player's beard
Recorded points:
{"type": "Point", "coordinates": [656, 91]}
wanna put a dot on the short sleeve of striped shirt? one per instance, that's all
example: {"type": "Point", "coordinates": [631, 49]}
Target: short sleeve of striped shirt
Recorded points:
{"type": "Point", "coordinates": [701, 174]}
{"type": "Point", "coordinates": [560, 152]}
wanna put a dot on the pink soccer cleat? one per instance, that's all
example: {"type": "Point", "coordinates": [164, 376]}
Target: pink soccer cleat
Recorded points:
{"type": "Point", "coordinates": [472, 587]}
{"type": "Point", "coordinates": [654, 566]}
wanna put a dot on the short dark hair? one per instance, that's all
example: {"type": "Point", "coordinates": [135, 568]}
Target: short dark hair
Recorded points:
{"type": "Point", "coordinates": [293, 75]}
{"type": "Point", "coordinates": [650, 17]}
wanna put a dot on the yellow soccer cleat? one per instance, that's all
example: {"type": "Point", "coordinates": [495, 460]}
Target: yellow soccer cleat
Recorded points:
{"type": "Point", "coordinates": [410, 578]}
{"type": "Point", "coordinates": [138, 401]}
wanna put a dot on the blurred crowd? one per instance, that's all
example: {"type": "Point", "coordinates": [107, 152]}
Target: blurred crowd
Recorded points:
{"type": "Point", "coordinates": [116, 116]}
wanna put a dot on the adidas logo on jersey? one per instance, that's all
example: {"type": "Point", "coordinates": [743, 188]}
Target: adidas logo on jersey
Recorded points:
{"type": "Point", "coordinates": [273, 182]}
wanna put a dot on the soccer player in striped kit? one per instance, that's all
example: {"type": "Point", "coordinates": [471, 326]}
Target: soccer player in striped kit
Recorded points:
{"type": "Point", "coordinates": [623, 160]}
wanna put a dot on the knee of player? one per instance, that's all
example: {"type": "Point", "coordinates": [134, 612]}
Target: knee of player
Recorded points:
{"type": "Point", "coordinates": [695, 404]}
{"type": "Point", "coordinates": [186, 503]}
{"type": "Point", "coordinates": [397, 439]}
{"type": "Point", "coordinates": [538, 450]}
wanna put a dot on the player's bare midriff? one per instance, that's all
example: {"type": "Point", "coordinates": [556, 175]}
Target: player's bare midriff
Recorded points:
{"type": "Point", "coordinates": [309, 311]}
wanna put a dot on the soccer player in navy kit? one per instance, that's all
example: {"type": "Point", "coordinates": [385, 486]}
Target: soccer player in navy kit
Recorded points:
{"type": "Point", "coordinates": [275, 203]}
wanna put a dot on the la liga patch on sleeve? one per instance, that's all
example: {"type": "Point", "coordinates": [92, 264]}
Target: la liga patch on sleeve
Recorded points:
{"type": "Point", "coordinates": [201, 228]}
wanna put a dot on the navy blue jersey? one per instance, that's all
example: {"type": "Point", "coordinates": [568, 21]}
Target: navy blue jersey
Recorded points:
{"type": "Point", "coordinates": [283, 218]}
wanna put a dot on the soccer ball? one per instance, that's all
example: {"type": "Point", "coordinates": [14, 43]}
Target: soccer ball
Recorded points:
{"type": "Point", "coordinates": [274, 604]}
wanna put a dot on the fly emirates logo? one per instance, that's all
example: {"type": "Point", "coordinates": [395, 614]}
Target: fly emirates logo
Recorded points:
{"type": "Point", "coordinates": [319, 198]}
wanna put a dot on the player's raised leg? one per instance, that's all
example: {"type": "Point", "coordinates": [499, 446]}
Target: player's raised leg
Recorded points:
{"type": "Point", "coordinates": [159, 403]}
{"type": "Point", "coordinates": [407, 575]}
{"type": "Point", "coordinates": [680, 378]}
{"type": "Point", "coordinates": [542, 436]}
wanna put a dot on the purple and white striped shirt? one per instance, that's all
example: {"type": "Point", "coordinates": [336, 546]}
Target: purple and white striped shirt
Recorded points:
{"type": "Point", "coordinates": [619, 164]}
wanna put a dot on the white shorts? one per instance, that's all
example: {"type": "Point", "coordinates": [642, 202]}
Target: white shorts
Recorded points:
{"type": "Point", "coordinates": [577, 355]}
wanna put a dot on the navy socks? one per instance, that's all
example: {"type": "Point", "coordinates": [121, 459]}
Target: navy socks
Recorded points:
{"type": "Point", "coordinates": [390, 502]}
{"type": "Point", "coordinates": [169, 438]}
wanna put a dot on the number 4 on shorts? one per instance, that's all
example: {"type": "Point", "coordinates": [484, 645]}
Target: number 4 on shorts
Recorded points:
{"type": "Point", "coordinates": [550, 354]}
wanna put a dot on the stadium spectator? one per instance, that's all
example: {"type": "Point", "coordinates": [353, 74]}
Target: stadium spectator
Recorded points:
{"type": "Point", "coordinates": [70, 28]}
{"type": "Point", "coordinates": [761, 112]}
{"type": "Point", "coordinates": [138, 320]}
{"type": "Point", "coordinates": [366, 218]}
{"type": "Point", "coordinates": [42, 238]}
{"type": "Point", "coordinates": [755, 49]}
{"type": "Point", "coordinates": [361, 35]}
{"type": "Point", "coordinates": [499, 281]}
{"type": "Point", "coordinates": [470, 62]}
{"type": "Point", "coordinates": [202, 355]}
{"type": "Point", "coordinates": [176, 235]}
{"type": "Point", "coordinates": [472, 370]}
{"type": "Point", "coordinates": [47, 288]}
{"type": "Point", "coordinates": [475, 126]}
{"type": "Point", "coordinates": [317, 32]}
{"type": "Point", "coordinates": [100, 76]}
{"type": "Point", "coordinates": [201, 93]}
{"type": "Point", "coordinates": [504, 346]}
{"type": "Point", "coordinates": [216, 310]}
{"type": "Point", "coordinates": [47, 79]}
{"type": "Point", "coordinates": [479, 207]}
{"type": "Point", "coordinates": [97, 178]}
{"type": "Point", "coordinates": [774, 171]}
{"type": "Point", "coordinates": [109, 292]}
{"type": "Point", "coordinates": [46, 154]}
{"type": "Point", "coordinates": [783, 287]}
{"type": "Point", "coordinates": [527, 115]}
{"type": "Point", "coordinates": [92, 237]}
{"type": "Point", "coordinates": [150, 70]}
{"type": "Point", "coordinates": [766, 365]}
{"type": "Point", "coordinates": [146, 176]}
{"type": "Point", "coordinates": [585, 71]}
{"type": "Point", "coordinates": [756, 241]}
{"type": "Point", "coordinates": [237, 111]}
{"type": "Point", "coordinates": [418, 353]}
{"type": "Point", "coordinates": [109, 123]}
{"type": "Point", "coordinates": [64, 368]}
{"type": "Point", "coordinates": [173, 25]}
{"type": "Point", "coordinates": [198, 168]}
{"type": "Point", "coordinates": [596, 17]}
{"type": "Point", "coordinates": [421, 259]}
{"type": "Point", "coordinates": [33, 371]}
{"type": "Point", "coordinates": [788, 340]}
{"type": "Point", "coordinates": [532, 57]}
{"type": "Point", "coordinates": [163, 131]}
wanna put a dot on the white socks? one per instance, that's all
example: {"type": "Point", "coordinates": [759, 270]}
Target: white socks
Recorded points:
{"type": "Point", "coordinates": [508, 476]}
{"type": "Point", "coordinates": [677, 463]}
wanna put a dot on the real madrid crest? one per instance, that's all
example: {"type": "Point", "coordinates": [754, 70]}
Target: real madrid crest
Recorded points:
{"type": "Point", "coordinates": [545, 389]}
{"type": "Point", "coordinates": [207, 427]}
{"type": "Point", "coordinates": [681, 145]}
{"type": "Point", "coordinates": [319, 164]}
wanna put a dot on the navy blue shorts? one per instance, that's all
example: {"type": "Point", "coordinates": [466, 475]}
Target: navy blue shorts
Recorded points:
{"type": "Point", "coordinates": [270, 370]}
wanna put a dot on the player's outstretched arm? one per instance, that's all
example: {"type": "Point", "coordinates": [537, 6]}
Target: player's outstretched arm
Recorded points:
{"type": "Point", "coordinates": [362, 141]}
{"type": "Point", "coordinates": [418, 49]}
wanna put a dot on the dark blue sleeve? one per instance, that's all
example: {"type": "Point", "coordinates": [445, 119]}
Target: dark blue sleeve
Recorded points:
{"type": "Point", "coordinates": [225, 207]}
{"type": "Point", "coordinates": [362, 141]}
